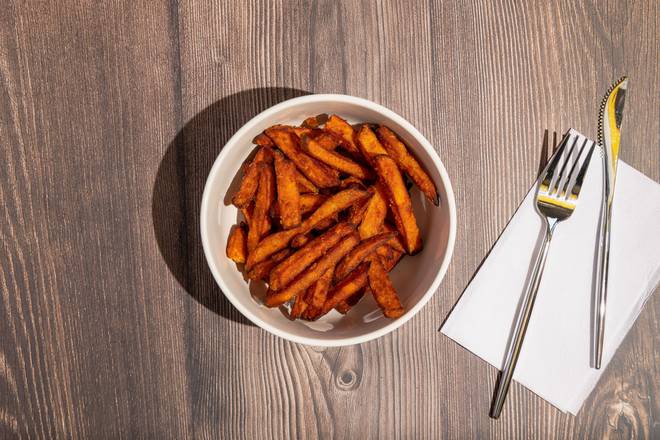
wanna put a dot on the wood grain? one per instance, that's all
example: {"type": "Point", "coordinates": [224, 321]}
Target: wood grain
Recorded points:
{"type": "Point", "coordinates": [111, 115]}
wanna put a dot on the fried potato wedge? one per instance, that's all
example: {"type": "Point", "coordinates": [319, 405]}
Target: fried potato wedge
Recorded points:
{"type": "Point", "coordinates": [398, 151]}
{"type": "Point", "coordinates": [309, 277]}
{"type": "Point", "coordinates": [300, 240]}
{"type": "Point", "coordinates": [327, 141]}
{"type": "Point", "coordinates": [270, 245]}
{"type": "Point", "coordinates": [319, 174]}
{"type": "Point", "coordinates": [288, 197]}
{"type": "Point", "coordinates": [351, 182]}
{"type": "Point", "coordinates": [383, 291]}
{"type": "Point", "coordinates": [346, 134]}
{"type": "Point", "coordinates": [308, 203]}
{"type": "Point", "coordinates": [394, 242]}
{"type": "Point", "coordinates": [345, 306]}
{"type": "Point", "coordinates": [318, 292]}
{"type": "Point", "coordinates": [299, 307]}
{"type": "Point", "coordinates": [359, 253]}
{"type": "Point", "coordinates": [261, 270]}
{"type": "Point", "coordinates": [389, 256]}
{"type": "Point", "coordinates": [305, 185]}
{"type": "Point", "coordinates": [237, 244]}
{"type": "Point", "coordinates": [261, 223]}
{"type": "Point", "coordinates": [290, 268]}
{"type": "Point", "coordinates": [296, 130]}
{"type": "Point", "coordinates": [329, 208]}
{"type": "Point", "coordinates": [263, 141]}
{"type": "Point", "coordinates": [335, 160]}
{"type": "Point", "coordinates": [248, 212]}
{"type": "Point", "coordinates": [326, 223]}
{"type": "Point", "coordinates": [356, 212]}
{"type": "Point", "coordinates": [399, 202]}
{"type": "Point", "coordinates": [368, 143]}
{"type": "Point", "coordinates": [315, 121]}
{"type": "Point", "coordinates": [333, 205]}
{"type": "Point", "coordinates": [347, 287]}
{"type": "Point", "coordinates": [248, 187]}
{"type": "Point", "coordinates": [302, 131]}
{"type": "Point", "coordinates": [374, 216]}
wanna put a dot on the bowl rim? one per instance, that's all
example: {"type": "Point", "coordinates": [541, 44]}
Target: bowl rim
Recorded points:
{"type": "Point", "coordinates": [450, 205]}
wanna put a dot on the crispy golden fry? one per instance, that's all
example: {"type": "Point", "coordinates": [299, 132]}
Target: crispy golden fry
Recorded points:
{"type": "Point", "coordinates": [319, 174]}
{"type": "Point", "coordinates": [310, 122]}
{"type": "Point", "coordinates": [262, 140]}
{"type": "Point", "coordinates": [347, 287]}
{"type": "Point", "coordinates": [237, 244]}
{"type": "Point", "coordinates": [318, 292]}
{"type": "Point", "coordinates": [389, 256]}
{"type": "Point", "coordinates": [399, 202]}
{"type": "Point", "coordinates": [383, 291]}
{"type": "Point", "coordinates": [302, 131]}
{"type": "Point", "coordinates": [335, 160]}
{"type": "Point", "coordinates": [298, 262]}
{"type": "Point", "coordinates": [398, 151]}
{"type": "Point", "coordinates": [394, 242]}
{"type": "Point", "coordinates": [368, 143]}
{"type": "Point", "coordinates": [356, 212]}
{"type": "Point", "coordinates": [311, 313]}
{"type": "Point", "coordinates": [297, 131]}
{"type": "Point", "coordinates": [300, 240]}
{"type": "Point", "coordinates": [261, 270]}
{"type": "Point", "coordinates": [374, 216]}
{"type": "Point", "coordinates": [351, 182]}
{"type": "Point", "coordinates": [305, 185]}
{"type": "Point", "coordinates": [327, 141]}
{"type": "Point", "coordinates": [308, 203]}
{"type": "Point", "coordinates": [315, 121]}
{"type": "Point", "coordinates": [270, 245]}
{"type": "Point", "coordinates": [326, 223]}
{"type": "Point", "coordinates": [360, 252]}
{"type": "Point", "coordinates": [306, 279]}
{"type": "Point", "coordinates": [332, 206]}
{"type": "Point", "coordinates": [248, 212]}
{"type": "Point", "coordinates": [299, 306]}
{"type": "Point", "coordinates": [344, 306]}
{"type": "Point", "coordinates": [250, 181]}
{"type": "Point", "coordinates": [329, 208]}
{"type": "Point", "coordinates": [265, 197]}
{"type": "Point", "coordinates": [344, 132]}
{"type": "Point", "coordinates": [288, 197]}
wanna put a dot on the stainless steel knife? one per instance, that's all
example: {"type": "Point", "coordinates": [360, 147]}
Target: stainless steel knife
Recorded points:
{"type": "Point", "coordinates": [609, 137]}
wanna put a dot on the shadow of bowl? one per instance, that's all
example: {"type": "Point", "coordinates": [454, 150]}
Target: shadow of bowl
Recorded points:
{"type": "Point", "coordinates": [179, 185]}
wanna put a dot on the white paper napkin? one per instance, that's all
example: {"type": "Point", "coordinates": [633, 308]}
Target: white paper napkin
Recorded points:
{"type": "Point", "coordinates": [554, 362]}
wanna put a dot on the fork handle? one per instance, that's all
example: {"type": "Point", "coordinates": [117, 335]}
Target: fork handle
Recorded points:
{"type": "Point", "coordinates": [520, 328]}
{"type": "Point", "coordinates": [600, 299]}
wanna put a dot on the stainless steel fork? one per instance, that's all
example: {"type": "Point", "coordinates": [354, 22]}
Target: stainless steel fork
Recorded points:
{"type": "Point", "coordinates": [556, 199]}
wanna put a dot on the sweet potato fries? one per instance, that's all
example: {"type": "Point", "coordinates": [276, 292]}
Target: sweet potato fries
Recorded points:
{"type": "Point", "coordinates": [327, 215]}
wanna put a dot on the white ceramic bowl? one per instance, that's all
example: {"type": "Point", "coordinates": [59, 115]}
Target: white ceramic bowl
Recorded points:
{"type": "Point", "coordinates": [415, 278]}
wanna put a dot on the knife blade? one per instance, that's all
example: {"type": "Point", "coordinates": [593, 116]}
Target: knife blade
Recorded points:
{"type": "Point", "coordinates": [609, 137]}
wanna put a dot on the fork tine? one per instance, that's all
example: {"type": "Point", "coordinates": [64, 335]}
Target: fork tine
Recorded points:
{"type": "Point", "coordinates": [571, 178]}
{"type": "Point", "coordinates": [567, 158]}
{"type": "Point", "coordinates": [550, 171]}
{"type": "Point", "coordinates": [575, 191]}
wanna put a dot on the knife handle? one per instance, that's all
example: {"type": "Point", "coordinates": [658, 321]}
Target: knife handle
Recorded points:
{"type": "Point", "coordinates": [602, 272]}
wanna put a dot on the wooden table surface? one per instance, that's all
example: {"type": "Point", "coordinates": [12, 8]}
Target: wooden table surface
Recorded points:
{"type": "Point", "coordinates": [112, 113]}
